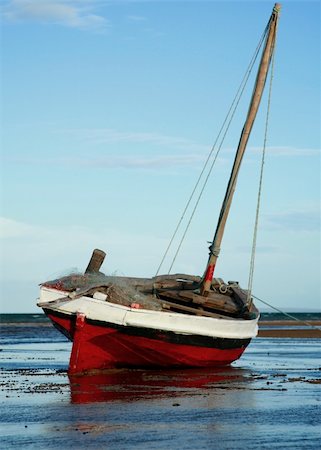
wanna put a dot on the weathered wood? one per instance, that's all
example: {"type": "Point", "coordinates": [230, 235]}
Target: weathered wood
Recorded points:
{"type": "Point", "coordinates": [239, 295]}
{"type": "Point", "coordinates": [96, 260]}
{"type": "Point", "coordinates": [149, 285]}
{"type": "Point", "coordinates": [174, 284]}
{"type": "Point", "coordinates": [218, 302]}
{"type": "Point", "coordinates": [223, 303]}
{"type": "Point", "coordinates": [173, 295]}
{"type": "Point", "coordinates": [198, 312]}
{"type": "Point", "coordinates": [177, 276]}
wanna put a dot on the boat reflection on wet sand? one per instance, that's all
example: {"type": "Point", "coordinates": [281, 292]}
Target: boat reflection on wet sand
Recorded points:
{"type": "Point", "coordinates": [134, 385]}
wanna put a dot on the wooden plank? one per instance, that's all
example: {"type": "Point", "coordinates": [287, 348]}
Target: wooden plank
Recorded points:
{"type": "Point", "coordinates": [173, 295]}
{"type": "Point", "coordinates": [240, 295]}
{"type": "Point", "coordinates": [215, 301]}
{"type": "Point", "coordinates": [199, 312]}
{"type": "Point", "coordinates": [174, 284]}
{"type": "Point", "coordinates": [177, 276]}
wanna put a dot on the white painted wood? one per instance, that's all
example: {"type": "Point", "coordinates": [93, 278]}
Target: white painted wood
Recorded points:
{"type": "Point", "coordinates": [105, 311]}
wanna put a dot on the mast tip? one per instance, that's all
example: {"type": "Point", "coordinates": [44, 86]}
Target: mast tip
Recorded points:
{"type": "Point", "coordinates": [277, 7]}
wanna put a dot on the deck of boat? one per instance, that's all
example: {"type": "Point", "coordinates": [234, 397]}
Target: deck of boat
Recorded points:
{"type": "Point", "coordinates": [177, 293]}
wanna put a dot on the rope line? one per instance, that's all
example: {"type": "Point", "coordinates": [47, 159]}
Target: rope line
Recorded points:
{"type": "Point", "coordinates": [286, 314]}
{"type": "Point", "coordinates": [253, 253]}
{"type": "Point", "coordinates": [228, 119]}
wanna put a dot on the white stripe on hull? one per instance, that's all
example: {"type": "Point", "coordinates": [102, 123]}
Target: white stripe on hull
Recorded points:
{"type": "Point", "coordinates": [105, 311]}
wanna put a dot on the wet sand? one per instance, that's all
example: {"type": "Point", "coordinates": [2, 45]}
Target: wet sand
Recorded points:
{"type": "Point", "coordinates": [289, 329]}
{"type": "Point", "coordinates": [270, 398]}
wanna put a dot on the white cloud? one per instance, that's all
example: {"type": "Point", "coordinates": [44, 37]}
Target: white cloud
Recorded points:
{"type": "Point", "coordinates": [183, 151]}
{"type": "Point", "coordinates": [109, 135]}
{"type": "Point", "coordinates": [307, 220]}
{"type": "Point", "coordinates": [158, 162]}
{"type": "Point", "coordinates": [288, 151]}
{"type": "Point", "coordinates": [133, 18]}
{"type": "Point", "coordinates": [73, 13]}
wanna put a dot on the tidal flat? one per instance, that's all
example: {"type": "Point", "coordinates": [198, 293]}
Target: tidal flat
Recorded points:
{"type": "Point", "coordinates": [270, 398]}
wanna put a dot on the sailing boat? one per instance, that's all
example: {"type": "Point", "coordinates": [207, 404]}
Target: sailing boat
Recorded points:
{"type": "Point", "coordinates": [169, 320]}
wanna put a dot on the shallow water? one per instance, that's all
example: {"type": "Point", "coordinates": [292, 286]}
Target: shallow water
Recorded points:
{"type": "Point", "coordinates": [270, 398]}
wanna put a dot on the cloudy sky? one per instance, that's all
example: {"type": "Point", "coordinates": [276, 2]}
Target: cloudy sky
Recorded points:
{"type": "Point", "coordinates": [109, 110]}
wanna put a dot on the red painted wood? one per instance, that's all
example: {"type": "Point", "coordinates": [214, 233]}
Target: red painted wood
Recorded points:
{"type": "Point", "coordinates": [97, 347]}
{"type": "Point", "coordinates": [209, 273]}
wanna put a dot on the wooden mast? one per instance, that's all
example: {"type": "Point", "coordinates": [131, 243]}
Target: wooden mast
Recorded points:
{"type": "Point", "coordinates": [254, 105]}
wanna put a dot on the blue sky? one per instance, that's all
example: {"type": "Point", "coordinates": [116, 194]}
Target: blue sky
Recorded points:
{"type": "Point", "coordinates": [109, 110]}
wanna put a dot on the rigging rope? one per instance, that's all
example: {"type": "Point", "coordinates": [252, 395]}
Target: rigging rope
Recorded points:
{"type": "Point", "coordinates": [230, 114]}
{"type": "Point", "coordinates": [253, 252]}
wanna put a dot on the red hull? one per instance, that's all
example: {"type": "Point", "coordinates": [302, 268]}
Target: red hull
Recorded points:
{"type": "Point", "coordinates": [101, 347]}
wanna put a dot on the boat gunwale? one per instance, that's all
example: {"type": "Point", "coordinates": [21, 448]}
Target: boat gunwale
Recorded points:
{"type": "Point", "coordinates": [181, 324]}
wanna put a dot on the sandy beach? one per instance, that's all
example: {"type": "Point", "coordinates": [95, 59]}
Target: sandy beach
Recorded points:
{"type": "Point", "coordinates": [270, 398]}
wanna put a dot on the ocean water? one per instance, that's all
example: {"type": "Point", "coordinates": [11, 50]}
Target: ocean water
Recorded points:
{"type": "Point", "coordinates": [270, 398]}
{"type": "Point", "coordinates": [304, 316]}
